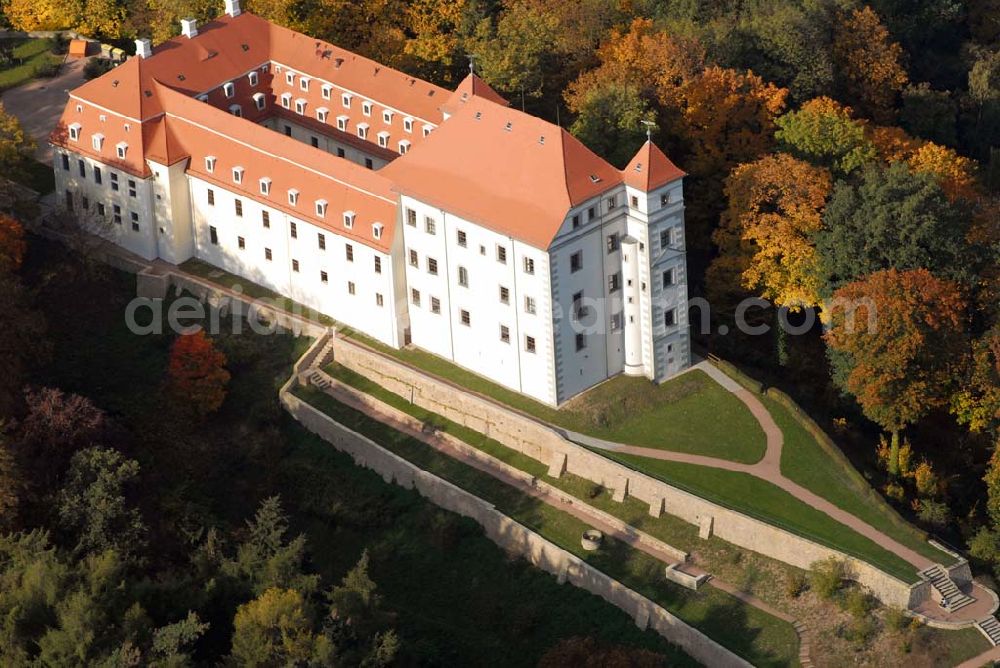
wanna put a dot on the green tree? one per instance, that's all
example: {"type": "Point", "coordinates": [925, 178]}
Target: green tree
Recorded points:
{"type": "Point", "coordinates": [824, 133]}
{"type": "Point", "coordinates": [93, 504]}
{"type": "Point", "coordinates": [930, 114]}
{"type": "Point", "coordinates": [609, 122]}
{"type": "Point", "coordinates": [893, 218]}
{"type": "Point", "coordinates": [267, 559]}
{"type": "Point", "coordinates": [10, 483]}
{"type": "Point", "coordinates": [977, 401]}
{"type": "Point", "coordinates": [171, 643]}
{"type": "Point", "coordinates": [275, 629]}
{"type": "Point", "coordinates": [518, 54]}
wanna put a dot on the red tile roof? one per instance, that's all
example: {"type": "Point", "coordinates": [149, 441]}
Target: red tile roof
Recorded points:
{"type": "Point", "coordinates": [471, 86]}
{"type": "Point", "coordinates": [650, 169]}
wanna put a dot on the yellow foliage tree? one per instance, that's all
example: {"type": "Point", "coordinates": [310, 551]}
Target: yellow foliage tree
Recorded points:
{"type": "Point", "coordinates": [31, 15]}
{"type": "Point", "coordinates": [434, 24]}
{"type": "Point", "coordinates": [775, 205]}
{"type": "Point", "coordinates": [868, 62]}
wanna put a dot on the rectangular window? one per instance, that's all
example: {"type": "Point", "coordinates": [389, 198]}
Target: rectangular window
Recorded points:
{"type": "Point", "coordinates": [463, 277]}
{"type": "Point", "coordinates": [505, 333]}
{"type": "Point", "coordinates": [461, 238]}
{"type": "Point", "coordinates": [411, 217]}
{"type": "Point", "coordinates": [670, 317]}
{"type": "Point", "coordinates": [114, 180]}
{"type": "Point", "coordinates": [295, 266]}
{"type": "Point", "coordinates": [321, 241]}
{"type": "Point", "coordinates": [341, 152]}
{"type": "Point", "coordinates": [118, 221]}
{"type": "Point", "coordinates": [213, 234]}
{"type": "Point", "coordinates": [616, 322]}
{"type": "Point", "coordinates": [581, 342]}
{"type": "Point", "coordinates": [314, 141]}
{"type": "Point", "coordinates": [529, 265]}
{"type": "Point", "coordinates": [579, 310]}
{"type": "Point", "coordinates": [241, 242]}
{"type": "Point", "coordinates": [293, 229]}
{"type": "Point", "coordinates": [350, 287]}
{"type": "Point", "coordinates": [432, 266]}
{"type": "Point", "coordinates": [429, 225]}
{"type": "Point", "coordinates": [591, 213]}
{"type": "Point", "coordinates": [82, 166]}
{"type": "Point", "coordinates": [349, 252]}
{"type": "Point", "coordinates": [101, 210]}
{"type": "Point", "coordinates": [378, 265]}
{"type": "Point", "coordinates": [634, 202]}
{"type": "Point", "coordinates": [614, 282]}
{"type": "Point", "coordinates": [85, 203]}
{"type": "Point", "coordinates": [369, 164]}
{"type": "Point", "coordinates": [529, 305]}
{"type": "Point", "coordinates": [378, 299]}
{"type": "Point", "coordinates": [415, 296]}
{"type": "Point", "coordinates": [265, 217]}
{"type": "Point", "coordinates": [211, 197]}
{"type": "Point", "coordinates": [613, 242]}
{"type": "Point", "coordinates": [668, 278]}
{"type": "Point", "coordinates": [324, 277]}
{"type": "Point", "coordinates": [504, 295]}
{"type": "Point", "coordinates": [267, 254]}
{"type": "Point", "coordinates": [435, 305]}
{"type": "Point", "coordinates": [238, 204]}
{"type": "Point", "coordinates": [612, 202]}
{"type": "Point", "coordinates": [665, 238]}
{"type": "Point", "coordinates": [65, 162]}
{"type": "Point", "coordinates": [98, 177]}
{"type": "Point", "coordinates": [135, 221]}
{"type": "Point", "coordinates": [576, 261]}
{"type": "Point", "coordinates": [414, 259]}
{"type": "Point", "coordinates": [502, 254]}
{"type": "Point", "coordinates": [288, 129]}
{"type": "Point", "coordinates": [465, 317]}
{"type": "Point", "coordinates": [529, 344]}
{"type": "Point", "coordinates": [131, 188]}
{"type": "Point", "coordinates": [664, 199]}
{"type": "Point", "coordinates": [576, 221]}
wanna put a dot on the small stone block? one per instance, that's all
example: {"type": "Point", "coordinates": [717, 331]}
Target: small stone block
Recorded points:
{"type": "Point", "coordinates": [705, 527]}
{"type": "Point", "coordinates": [642, 618]}
{"type": "Point", "coordinates": [656, 506]}
{"type": "Point", "coordinates": [558, 465]}
{"type": "Point", "coordinates": [621, 490]}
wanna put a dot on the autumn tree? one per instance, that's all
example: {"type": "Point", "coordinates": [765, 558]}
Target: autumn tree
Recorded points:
{"type": "Point", "coordinates": [868, 63]}
{"type": "Point", "coordinates": [196, 373]}
{"type": "Point", "coordinates": [276, 629]}
{"type": "Point", "coordinates": [31, 15]}
{"type": "Point", "coordinates": [892, 218]}
{"type": "Point", "coordinates": [824, 132]}
{"type": "Point", "coordinates": [16, 149]}
{"type": "Point", "coordinates": [977, 401]}
{"type": "Point", "coordinates": [895, 339]}
{"type": "Point", "coordinates": [57, 425]}
{"type": "Point", "coordinates": [12, 244]}
{"type": "Point", "coordinates": [776, 204]}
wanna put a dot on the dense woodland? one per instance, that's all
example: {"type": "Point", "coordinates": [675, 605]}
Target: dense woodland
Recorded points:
{"type": "Point", "coordinates": [836, 150]}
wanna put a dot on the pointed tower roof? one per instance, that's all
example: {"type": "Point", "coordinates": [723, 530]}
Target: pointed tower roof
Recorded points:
{"type": "Point", "coordinates": [471, 86]}
{"type": "Point", "coordinates": [650, 169]}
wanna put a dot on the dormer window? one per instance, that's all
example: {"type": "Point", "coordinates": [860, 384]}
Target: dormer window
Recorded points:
{"type": "Point", "coordinates": [202, 98]}
{"type": "Point", "coordinates": [326, 91]}
{"type": "Point", "coordinates": [342, 123]}
{"type": "Point", "coordinates": [122, 150]}
{"type": "Point", "coordinates": [79, 108]}
{"type": "Point", "coordinates": [293, 197]}
{"type": "Point", "coordinates": [366, 108]}
{"type": "Point", "coordinates": [404, 146]}
{"type": "Point", "coordinates": [290, 78]}
{"type": "Point", "coordinates": [363, 130]}
{"type": "Point", "coordinates": [321, 205]}
{"type": "Point", "coordinates": [408, 124]}
{"type": "Point", "coordinates": [383, 139]}
{"type": "Point", "coordinates": [254, 78]}
{"type": "Point", "coordinates": [229, 89]}
{"type": "Point", "coordinates": [265, 186]}
{"type": "Point", "coordinates": [286, 100]}
{"type": "Point", "coordinates": [321, 114]}
{"type": "Point", "coordinates": [97, 141]}
{"type": "Point", "coordinates": [259, 101]}
{"type": "Point", "coordinates": [345, 99]}
{"type": "Point", "coordinates": [210, 164]}
{"type": "Point", "coordinates": [427, 130]}
{"type": "Point", "coordinates": [304, 83]}
{"type": "Point", "coordinates": [377, 230]}
{"type": "Point", "coordinates": [74, 131]}
{"type": "Point", "coordinates": [387, 117]}
{"type": "Point", "coordinates": [349, 219]}
{"type": "Point", "coordinates": [300, 106]}
{"type": "Point", "coordinates": [236, 110]}
{"type": "Point", "coordinates": [238, 175]}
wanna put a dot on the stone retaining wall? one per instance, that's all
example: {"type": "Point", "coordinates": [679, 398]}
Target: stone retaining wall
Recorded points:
{"type": "Point", "coordinates": [544, 444]}
{"type": "Point", "coordinates": [510, 535]}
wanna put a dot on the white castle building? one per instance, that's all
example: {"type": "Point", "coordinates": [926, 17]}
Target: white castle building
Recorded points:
{"type": "Point", "coordinates": [417, 215]}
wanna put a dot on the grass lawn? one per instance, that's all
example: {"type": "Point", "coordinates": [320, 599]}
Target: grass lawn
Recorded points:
{"type": "Point", "coordinates": [445, 584]}
{"type": "Point", "coordinates": [804, 461]}
{"type": "Point", "coordinates": [760, 638]}
{"type": "Point", "coordinates": [29, 56]}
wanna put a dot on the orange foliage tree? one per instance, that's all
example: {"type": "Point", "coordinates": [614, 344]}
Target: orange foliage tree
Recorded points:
{"type": "Point", "coordinates": [12, 244]}
{"type": "Point", "coordinates": [776, 204]}
{"type": "Point", "coordinates": [869, 63]}
{"type": "Point", "coordinates": [197, 374]}
{"type": "Point", "coordinates": [896, 340]}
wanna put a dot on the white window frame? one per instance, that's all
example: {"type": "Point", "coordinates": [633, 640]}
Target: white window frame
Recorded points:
{"type": "Point", "coordinates": [122, 150]}
{"type": "Point", "coordinates": [74, 131]}
{"type": "Point", "coordinates": [293, 196]}
{"type": "Point", "coordinates": [229, 89]}
{"type": "Point", "coordinates": [377, 230]}
{"type": "Point", "coordinates": [286, 100]}
{"type": "Point", "coordinates": [304, 84]}
{"type": "Point", "coordinates": [383, 139]}
{"type": "Point", "coordinates": [404, 146]}
{"type": "Point", "coordinates": [345, 100]}
{"type": "Point", "coordinates": [427, 130]}
{"type": "Point", "coordinates": [300, 106]}
{"type": "Point", "coordinates": [290, 78]}
{"type": "Point", "coordinates": [349, 217]}
{"type": "Point", "coordinates": [363, 130]}
{"type": "Point", "coordinates": [259, 101]}
{"type": "Point", "coordinates": [254, 78]}
{"type": "Point", "coordinates": [386, 116]}
{"type": "Point", "coordinates": [97, 141]}
{"type": "Point", "coordinates": [342, 123]}
{"type": "Point", "coordinates": [265, 186]}
{"type": "Point", "coordinates": [321, 206]}
{"type": "Point", "coordinates": [366, 108]}
{"type": "Point", "coordinates": [326, 91]}
{"type": "Point", "coordinates": [210, 161]}
{"type": "Point", "coordinates": [236, 110]}
{"type": "Point", "coordinates": [238, 173]}
{"type": "Point", "coordinates": [408, 124]}
{"type": "Point", "coordinates": [321, 114]}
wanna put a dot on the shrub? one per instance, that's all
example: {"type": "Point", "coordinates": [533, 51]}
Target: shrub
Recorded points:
{"type": "Point", "coordinates": [795, 584]}
{"type": "Point", "coordinates": [47, 70]}
{"type": "Point", "coordinates": [827, 577]}
{"type": "Point", "coordinates": [95, 67]}
{"type": "Point", "coordinates": [896, 619]}
{"type": "Point", "coordinates": [895, 492]}
{"type": "Point", "coordinates": [858, 603]}
{"type": "Point", "coordinates": [935, 513]}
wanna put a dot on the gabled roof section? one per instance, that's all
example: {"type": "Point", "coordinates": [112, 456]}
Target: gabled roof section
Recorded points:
{"type": "Point", "coordinates": [471, 86]}
{"type": "Point", "coordinates": [503, 169]}
{"type": "Point", "coordinates": [124, 90]}
{"type": "Point", "coordinates": [650, 168]}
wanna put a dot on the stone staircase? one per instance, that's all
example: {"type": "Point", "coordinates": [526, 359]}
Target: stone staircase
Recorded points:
{"type": "Point", "coordinates": [950, 593]}
{"type": "Point", "coordinates": [990, 627]}
{"type": "Point", "coordinates": [319, 379]}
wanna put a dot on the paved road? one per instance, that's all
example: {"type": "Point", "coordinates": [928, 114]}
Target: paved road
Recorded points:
{"type": "Point", "coordinates": [38, 104]}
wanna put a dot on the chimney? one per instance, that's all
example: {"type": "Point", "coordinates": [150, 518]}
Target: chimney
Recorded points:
{"type": "Point", "coordinates": [143, 48]}
{"type": "Point", "coordinates": [232, 7]}
{"type": "Point", "coordinates": [189, 28]}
